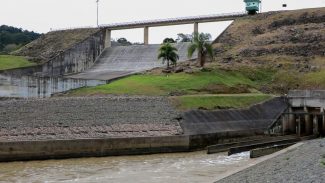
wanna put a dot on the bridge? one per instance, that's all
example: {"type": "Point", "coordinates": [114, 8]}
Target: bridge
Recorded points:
{"type": "Point", "coordinates": [167, 22]}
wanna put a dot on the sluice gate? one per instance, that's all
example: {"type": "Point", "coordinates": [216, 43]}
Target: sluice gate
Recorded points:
{"type": "Point", "coordinates": [304, 116]}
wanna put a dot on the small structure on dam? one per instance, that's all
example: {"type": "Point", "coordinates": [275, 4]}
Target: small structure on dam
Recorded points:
{"type": "Point", "coordinates": [305, 115]}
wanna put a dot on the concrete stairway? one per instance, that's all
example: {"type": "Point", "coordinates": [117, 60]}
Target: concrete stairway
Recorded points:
{"type": "Point", "coordinates": [120, 61]}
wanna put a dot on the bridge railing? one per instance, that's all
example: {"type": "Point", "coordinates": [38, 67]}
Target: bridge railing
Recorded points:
{"type": "Point", "coordinates": [180, 19]}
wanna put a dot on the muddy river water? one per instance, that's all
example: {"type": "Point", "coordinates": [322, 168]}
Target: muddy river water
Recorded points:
{"type": "Point", "coordinates": [161, 168]}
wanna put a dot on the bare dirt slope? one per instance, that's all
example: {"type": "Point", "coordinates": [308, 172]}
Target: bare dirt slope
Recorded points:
{"type": "Point", "coordinates": [282, 38]}
{"type": "Point", "coordinates": [51, 44]}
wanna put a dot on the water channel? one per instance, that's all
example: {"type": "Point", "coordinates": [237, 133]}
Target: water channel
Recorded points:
{"type": "Point", "coordinates": [161, 168]}
{"type": "Point", "coordinates": [40, 87]}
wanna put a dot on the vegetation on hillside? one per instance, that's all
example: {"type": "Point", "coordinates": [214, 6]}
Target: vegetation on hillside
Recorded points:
{"type": "Point", "coordinates": [200, 89]}
{"type": "Point", "coordinates": [10, 62]}
{"type": "Point", "coordinates": [53, 43]}
{"type": "Point", "coordinates": [290, 44]}
{"type": "Point", "coordinates": [200, 82]}
{"type": "Point", "coordinates": [12, 38]}
{"type": "Point", "coordinates": [223, 101]}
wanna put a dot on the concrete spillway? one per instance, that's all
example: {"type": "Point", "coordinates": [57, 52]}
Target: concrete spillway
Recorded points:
{"type": "Point", "coordinates": [120, 61]}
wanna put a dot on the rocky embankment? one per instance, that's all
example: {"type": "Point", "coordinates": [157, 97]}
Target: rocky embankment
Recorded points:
{"type": "Point", "coordinates": [303, 164]}
{"type": "Point", "coordinates": [73, 118]}
{"type": "Point", "coordinates": [277, 38]}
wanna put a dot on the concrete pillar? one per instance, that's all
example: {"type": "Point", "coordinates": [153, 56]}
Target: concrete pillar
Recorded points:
{"type": "Point", "coordinates": [308, 122]}
{"type": "Point", "coordinates": [285, 124]}
{"type": "Point", "coordinates": [323, 125]}
{"type": "Point", "coordinates": [315, 126]}
{"type": "Point", "coordinates": [292, 121]}
{"type": "Point", "coordinates": [299, 127]}
{"type": "Point", "coordinates": [146, 35]}
{"type": "Point", "coordinates": [196, 27]}
{"type": "Point", "coordinates": [108, 37]}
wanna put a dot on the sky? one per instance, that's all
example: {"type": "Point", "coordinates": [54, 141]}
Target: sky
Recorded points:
{"type": "Point", "coordinates": [43, 15]}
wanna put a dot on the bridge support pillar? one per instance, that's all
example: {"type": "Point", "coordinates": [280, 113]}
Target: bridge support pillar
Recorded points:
{"type": "Point", "coordinates": [196, 27]}
{"type": "Point", "coordinates": [285, 121]}
{"type": "Point", "coordinates": [299, 127]}
{"type": "Point", "coordinates": [308, 122]}
{"type": "Point", "coordinates": [323, 122]}
{"type": "Point", "coordinates": [292, 121]}
{"type": "Point", "coordinates": [146, 35]}
{"type": "Point", "coordinates": [108, 37]}
{"type": "Point", "coordinates": [315, 126]}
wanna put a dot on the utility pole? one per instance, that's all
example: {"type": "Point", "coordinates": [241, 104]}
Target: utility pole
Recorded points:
{"type": "Point", "coordinates": [97, 1]}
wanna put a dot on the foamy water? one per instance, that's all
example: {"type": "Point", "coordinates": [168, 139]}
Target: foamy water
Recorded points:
{"type": "Point", "coordinates": [178, 167]}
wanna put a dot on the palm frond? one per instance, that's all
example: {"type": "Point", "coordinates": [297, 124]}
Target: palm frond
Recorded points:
{"type": "Point", "coordinates": [209, 49]}
{"type": "Point", "coordinates": [191, 49]}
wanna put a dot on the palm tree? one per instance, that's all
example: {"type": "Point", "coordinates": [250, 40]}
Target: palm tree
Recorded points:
{"type": "Point", "coordinates": [168, 53]}
{"type": "Point", "coordinates": [201, 44]}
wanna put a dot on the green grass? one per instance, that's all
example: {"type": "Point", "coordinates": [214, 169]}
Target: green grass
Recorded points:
{"type": "Point", "coordinates": [10, 62]}
{"type": "Point", "coordinates": [322, 162]}
{"type": "Point", "coordinates": [165, 84]}
{"type": "Point", "coordinates": [218, 101]}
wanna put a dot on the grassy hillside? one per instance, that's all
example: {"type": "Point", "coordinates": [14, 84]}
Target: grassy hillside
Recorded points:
{"type": "Point", "coordinates": [285, 38]}
{"type": "Point", "coordinates": [224, 101]}
{"type": "Point", "coordinates": [212, 89]}
{"type": "Point", "coordinates": [211, 82]}
{"type": "Point", "coordinates": [53, 43]}
{"type": "Point", "coordinates": [10, 62]}
{"type": "Point", "coordinates": [291, 43]}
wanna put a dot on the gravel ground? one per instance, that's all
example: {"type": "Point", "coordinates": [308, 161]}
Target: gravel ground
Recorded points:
{"type": "Point", "coordinates": [304, 164]}
{"type": "Point", "coordinates": [70, 118]}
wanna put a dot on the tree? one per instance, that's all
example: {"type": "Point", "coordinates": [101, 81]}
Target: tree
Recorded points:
{"type": "Point", "coordinates": [201, 44]}
{"type": "Point", "coordinates": [184, 37]}
{"type": "Point", "coordinates": [169, 40]}
{"type": "Point", "coordinates": [168, 53]}
{"type": "Point", "coordinates": [10, 36]}
{"type": "Point", "coordinates": [124, 42]}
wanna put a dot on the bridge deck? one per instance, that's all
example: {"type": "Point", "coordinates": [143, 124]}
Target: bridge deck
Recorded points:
{"type": "Point", "coordinates": [174, 21]}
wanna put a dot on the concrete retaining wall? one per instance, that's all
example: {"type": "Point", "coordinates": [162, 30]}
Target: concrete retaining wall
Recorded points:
{"type": "Point", "coordinates": [78, 58]}
{"type": "Point", "coordinates": [254, 119]}
{"type": "Point", "coordinates": [255, 153]}
{"type": "Point", "coordinates": [59, 149]}
{"type": "Point", "coordinates": [56, 149]}
{"type": "Point", "coordinates": [22, 71]}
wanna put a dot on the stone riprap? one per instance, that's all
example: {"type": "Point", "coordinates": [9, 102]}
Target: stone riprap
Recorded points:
{"type": "Point", "coordinates": [120, 61]}
{"type": "Point", "coordinates": [75, 118]}
{"type": "Point", "coordinates": [303, 164]}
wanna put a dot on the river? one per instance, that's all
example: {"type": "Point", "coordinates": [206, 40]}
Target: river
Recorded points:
{"type": "Point", "coordinates": [160, 168]}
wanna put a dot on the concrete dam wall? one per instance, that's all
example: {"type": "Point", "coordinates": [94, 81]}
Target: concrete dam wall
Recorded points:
{"type": "Point", "coordinates": [119, 61]}
{"type": "Point", "coordinates": [78, 58]}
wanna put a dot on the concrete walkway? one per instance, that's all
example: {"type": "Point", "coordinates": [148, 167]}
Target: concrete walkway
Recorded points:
{"type": "Point", "coordinates": [303, 164]}
{"type": "Point", "coordinates": [121, 61]}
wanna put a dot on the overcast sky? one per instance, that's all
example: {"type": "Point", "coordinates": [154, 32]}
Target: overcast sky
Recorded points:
{"type": "Point", "coordinates": [42, 15]}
